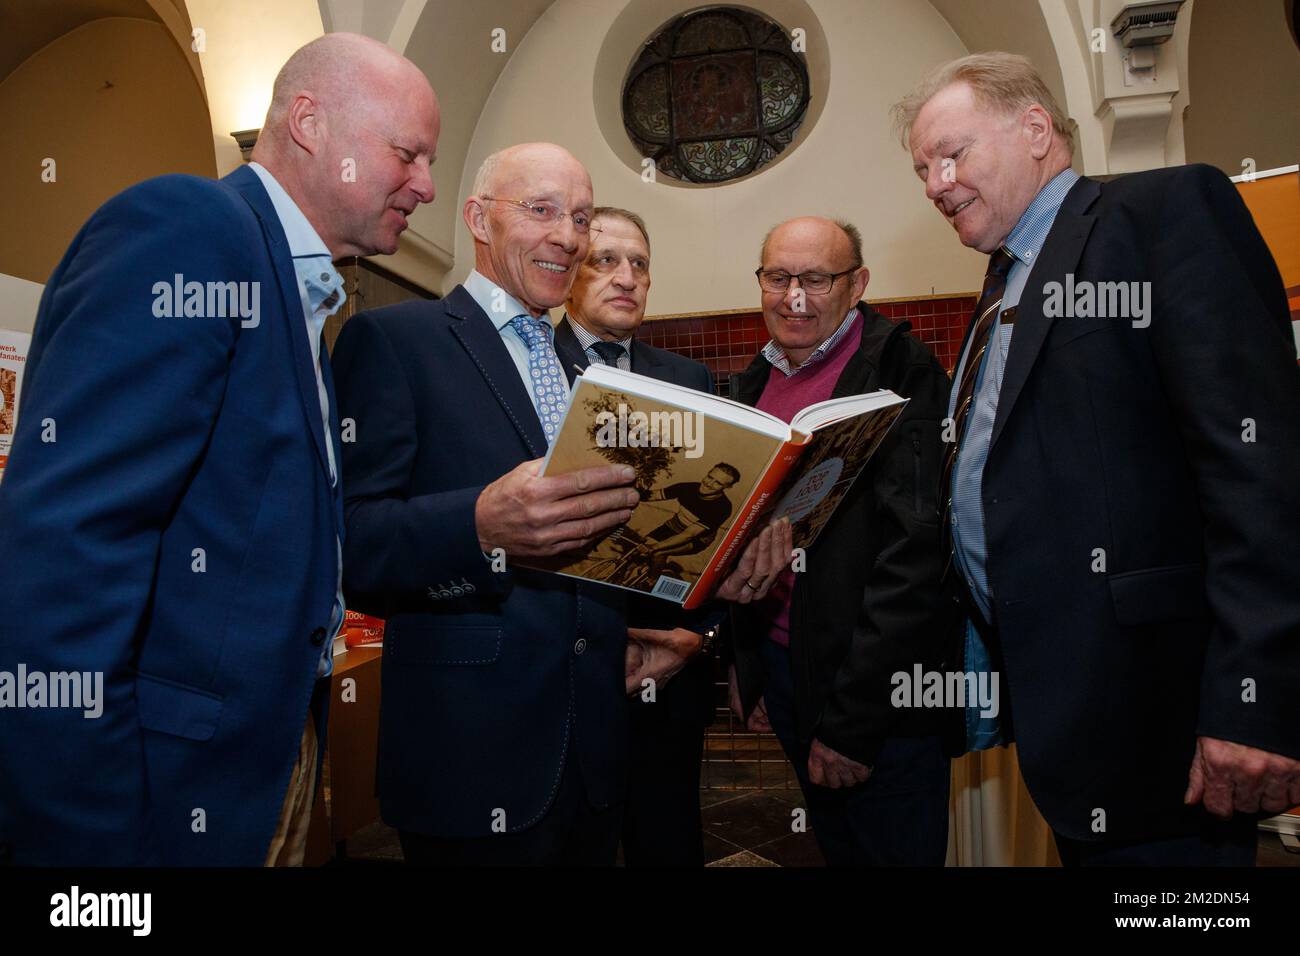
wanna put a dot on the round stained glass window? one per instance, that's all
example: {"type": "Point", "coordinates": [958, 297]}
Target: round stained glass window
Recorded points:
{"type": "Point", "coordinates": [716, 95]}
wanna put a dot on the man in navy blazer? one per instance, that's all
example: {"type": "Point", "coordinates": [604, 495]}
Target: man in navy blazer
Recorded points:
{"type": "Point", "coordinates": [172, 508]}
{"type": "Point", "coordinates": [661, 818]}
{"type": "Point", "coordinates": [503, 725]}
{"type": "Point", "coordinates": [1124, 494]}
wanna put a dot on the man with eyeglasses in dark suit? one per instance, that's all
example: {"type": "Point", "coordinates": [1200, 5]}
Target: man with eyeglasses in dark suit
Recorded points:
{"type": "Point", "coordinates": [661, 820]}
{"type": "Point", "coordinates": [503, 731]}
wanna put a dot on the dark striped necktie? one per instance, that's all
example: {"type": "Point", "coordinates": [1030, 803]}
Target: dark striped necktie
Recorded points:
{"type": "Point", "coordinates": [986, 313]}
{"type": "Point", "coordinates": [609, 352]}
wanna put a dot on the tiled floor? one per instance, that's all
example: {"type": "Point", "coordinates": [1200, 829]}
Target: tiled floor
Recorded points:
{"type": "Point", "coordinates": [741, 828]}
{"type": "Point", "coordinates": [756, 828]}
{"type": "Point", "coordinates": [748, 798]}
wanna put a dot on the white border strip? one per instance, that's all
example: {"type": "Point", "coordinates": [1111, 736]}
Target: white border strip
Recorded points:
{"type": "Point", "coordinates": [1265, 174]}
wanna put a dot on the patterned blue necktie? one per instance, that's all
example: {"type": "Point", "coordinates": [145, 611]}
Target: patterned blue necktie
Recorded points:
{"type": "Point", "coordinates": [550, 387]}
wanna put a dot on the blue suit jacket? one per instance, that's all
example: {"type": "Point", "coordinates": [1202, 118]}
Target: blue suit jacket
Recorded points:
{"type": "Point", "coordinates": [177, 535]}
{"type": "Point", "coordinates": [492, 682]}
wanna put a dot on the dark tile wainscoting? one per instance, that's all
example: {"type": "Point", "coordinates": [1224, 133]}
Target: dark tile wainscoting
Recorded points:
{"type": "Point", "coordinates": [728, 343]}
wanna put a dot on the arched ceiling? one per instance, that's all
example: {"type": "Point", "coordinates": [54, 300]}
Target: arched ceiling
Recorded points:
{"type": "Point", "coordinates": [107, 93]}
{"type": "Point", "coordinates": [27, 26]}
{"type": "Point", "coordinates": [463, 73]}
{"type": "Point", "coordinates": [465, 70]}
{"type": "Point", "coordinates": [1017, 25]}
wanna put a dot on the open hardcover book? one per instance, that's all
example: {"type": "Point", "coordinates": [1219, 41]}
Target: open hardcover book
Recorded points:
{"type": "Point", "coordinates": [711, 472]}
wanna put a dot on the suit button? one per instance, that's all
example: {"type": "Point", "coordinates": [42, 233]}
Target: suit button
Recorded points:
{"type": "Point", "coordinates": [318, 636]}
{"type": "Point", "coordinates": [581, 646]}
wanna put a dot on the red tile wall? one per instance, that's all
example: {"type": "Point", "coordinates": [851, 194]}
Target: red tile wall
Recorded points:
{"type": "Point", "coordinates": [727, 344]}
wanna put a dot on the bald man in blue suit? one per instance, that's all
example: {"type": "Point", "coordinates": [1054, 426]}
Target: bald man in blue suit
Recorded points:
{"type": "Point", "coordinates": [174, 487]}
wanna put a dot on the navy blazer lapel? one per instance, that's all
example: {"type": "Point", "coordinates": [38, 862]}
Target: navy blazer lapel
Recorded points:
{"type": "Point", "coordinates": [245, 181]}
{"type": "Point", "coordinates": [1060, 255]}
{"type": "Point", "coordinates": [569, 350]}
{"type": "Point", "coordinates": [643, 361]}
{"type": "Point", "coordinates": [483, 344]}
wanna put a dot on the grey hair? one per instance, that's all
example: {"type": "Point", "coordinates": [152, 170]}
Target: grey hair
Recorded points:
{"type": "Point", "coordinates": [614, 212]}
{"type": "Point", "coordinates": [486, 173]}
{"type": "Point", "coordinates": [851, 233]}
{"type": "Point", "coordinates": [1005, 82]}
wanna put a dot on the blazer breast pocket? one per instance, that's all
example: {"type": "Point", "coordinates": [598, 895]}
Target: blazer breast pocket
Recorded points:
{"type": "Point", "coordinates": [1067, 331]}
{"type": "Point", "coordinates": [410, 643]}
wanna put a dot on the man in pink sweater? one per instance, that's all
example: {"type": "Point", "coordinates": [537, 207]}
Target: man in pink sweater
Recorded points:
{"type": "Point", "coordinates": [817, 660]}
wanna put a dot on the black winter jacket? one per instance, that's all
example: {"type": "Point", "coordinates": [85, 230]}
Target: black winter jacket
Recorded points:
{"type": "Point", "coordinates": [868, 605]}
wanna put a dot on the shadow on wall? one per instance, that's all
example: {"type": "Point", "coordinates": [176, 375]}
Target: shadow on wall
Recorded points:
{"type": "Point", "coordinates": [93, 98]}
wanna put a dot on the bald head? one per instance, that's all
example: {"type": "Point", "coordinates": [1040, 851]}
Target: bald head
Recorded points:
{"type": "Point", "coordinates": [530, 253]}
{"type": "Point", "coordinates": [336, 68]}
{"type": "Point", "coordinates": [802, 313]}
{"type": "Point", "coordinates": [351, 134]}
{"type": "Point", "coordinates": [813, 229]}
{"type": "Point", "coordinates": [510, 164]}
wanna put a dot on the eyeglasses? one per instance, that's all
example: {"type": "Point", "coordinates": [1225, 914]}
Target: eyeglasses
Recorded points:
{"type": "Point", "coordinates": [544, 213]}
{"type": "Point", "coordinates": [814, 283]}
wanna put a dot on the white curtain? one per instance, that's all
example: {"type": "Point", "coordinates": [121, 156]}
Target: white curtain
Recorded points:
{"type": "Point", "coordinates": [992, 819]}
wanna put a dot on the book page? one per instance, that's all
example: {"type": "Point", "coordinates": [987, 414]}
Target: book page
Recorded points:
{"type": "Point", "coordinates": [693, 474]}
{"type": "Point", "coordinates": [823, 413]}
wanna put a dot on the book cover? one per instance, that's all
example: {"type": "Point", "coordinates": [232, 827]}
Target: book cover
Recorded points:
{"type": "Point", "coordinates": [710, 473]}
{"type": "Point", "coordinates": [13, 356]}
{"type": "Point", "coordinates": [694, 475]}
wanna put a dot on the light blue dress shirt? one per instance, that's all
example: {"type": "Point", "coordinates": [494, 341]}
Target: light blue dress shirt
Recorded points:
{"type": "Point", "coordinates": [320, 288]}
{"type": "Point", "coordinates": [1024, 243]}
{"type": "Point", "coordinates": [501, 307]}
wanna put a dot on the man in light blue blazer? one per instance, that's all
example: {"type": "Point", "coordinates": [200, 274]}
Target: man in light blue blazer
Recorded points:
{"type": "Point", "coordinates": [172, 508]}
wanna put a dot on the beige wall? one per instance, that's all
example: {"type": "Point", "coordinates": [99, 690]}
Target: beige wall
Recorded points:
{"type": "Point", "coordinates": [112, 102]}
{"type": "Point", "coordinates": [246, 44]}
{"type": "Point", "coordinates": [1014, 25]}
{"type": "Point", "coordinates": [706, 240]}
{"type": "Point", "coordinates": [1244, 86]}
{"type": "Point", "coordinates": [452, 44]}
